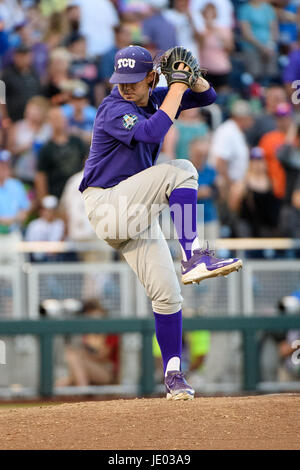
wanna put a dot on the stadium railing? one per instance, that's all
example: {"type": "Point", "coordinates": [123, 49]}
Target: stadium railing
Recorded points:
{"type": "Point", "coordinates": [46, 329]}
{"type": "Point", "coordinates": [254, 292]}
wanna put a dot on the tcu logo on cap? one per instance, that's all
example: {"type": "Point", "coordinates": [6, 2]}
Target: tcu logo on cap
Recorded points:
{"type": "Point", "coordinates": [126, 63]}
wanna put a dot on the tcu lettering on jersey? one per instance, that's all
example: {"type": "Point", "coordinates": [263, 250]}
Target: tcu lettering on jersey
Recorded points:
{"type": "Point", "coordinates": [126, 63]}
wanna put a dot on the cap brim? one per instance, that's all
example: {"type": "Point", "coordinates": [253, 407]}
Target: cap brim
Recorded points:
{"type": "Point", "coordinates": [117, 78]}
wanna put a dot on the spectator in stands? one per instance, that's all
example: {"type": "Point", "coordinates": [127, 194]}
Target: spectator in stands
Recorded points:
{"type": "Point", "coordinates": [289, 156]}
{"type": "Point", "coordinates": [82, 67]}
{"type": "Point", "coordinates": [187, 25]}
{"type": "Point", "coordinates": [288, 12]}
{"type": "Point", "coordinates": [37, 21]}
{"type": "Point", "coordinates": [4, 36]}
{"type": "Point", "coordinates": [27, 136]}
{"type": "Point", "coordinates": [289, 370]}
{"type": "Point", "coordinates": [57, 30]}
{"type": "Point", "coordinates": [55, 6]}
{"type": "Point", "coordinates": [39, 49]}
{"type": "Point", "coordinates": [207, 192]}
{"type": "Point", "coordinates": [95, 361]}
{"type": "Point", "coordinates": [79, 113]}
{"type": "Point", "coordinates": [225, 13]}
{"type": "Point", "coordinates": [216, 44]}
{"type": "Point", "coordinates": [132, 13]}
{"type": "Point", "coordinates": [229, 150]}
{"type": "Point", "coordinates": [22, 83]}
{"type": "Point", "coordinates": [270, 143]}
{"type": "Point", "coordinates": [158, 31]}
{"type": "Point", "coordinates": [291, 74]}
{"type": "Point", "coordinates": [12, 12]}
{"type": "Point", "coordinates": [98, 28]}
{"type": "Point", "coordinates": [259, 29]}
{"type": "Point", "coordinates": [61, 157]}
{"type": "Point", "coordinates": [47, 228]}
{"type": "Point", "coordinates": [289, 346]}
{"type": "Point", "coordinates": [14, 203]}
{"type": "Point", "coordinates": [188, 127]}
{"type": "Point", "coordinates": [266, 121]}
{"type": "Point", "coordinates": [253, 200]}
{"type": "Point", "coordinates": [58, 76]}
{"type": "Point", "coordinates": [73, 17]}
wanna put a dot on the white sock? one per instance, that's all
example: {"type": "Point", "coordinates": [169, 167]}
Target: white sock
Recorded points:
{"type": "Point", "coordinates": [195, 244]}
{"type": "Point", "coordinates": [173, 364]}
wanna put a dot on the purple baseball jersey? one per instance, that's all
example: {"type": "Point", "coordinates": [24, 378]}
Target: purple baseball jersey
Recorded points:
{"type": "Point", "coordinates": [115, 154]}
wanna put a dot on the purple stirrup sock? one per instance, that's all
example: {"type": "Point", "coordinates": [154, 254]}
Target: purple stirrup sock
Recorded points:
{"type": "Point", "coordinates": [169, 335]}
{"type": "Point", "coordinates": [183, 208]}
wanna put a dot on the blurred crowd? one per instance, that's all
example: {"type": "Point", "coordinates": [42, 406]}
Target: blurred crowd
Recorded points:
{"type": "Point", "coordinates": [56, 57]}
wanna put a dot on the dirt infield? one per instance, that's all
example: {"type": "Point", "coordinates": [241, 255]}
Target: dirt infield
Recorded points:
{"type": "Point", "coordinates": [256, 422]}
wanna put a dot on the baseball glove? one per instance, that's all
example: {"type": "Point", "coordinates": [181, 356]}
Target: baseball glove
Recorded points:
{"type": "Point", "coordinates": [170, 61]}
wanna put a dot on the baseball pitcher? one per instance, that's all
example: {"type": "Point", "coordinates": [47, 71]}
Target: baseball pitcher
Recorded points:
{"type": "Point", "coordinates": [124, 191]}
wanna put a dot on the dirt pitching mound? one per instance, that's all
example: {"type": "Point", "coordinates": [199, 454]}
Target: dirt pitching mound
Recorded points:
{"type": "Point", "coordinates": [256, 422]}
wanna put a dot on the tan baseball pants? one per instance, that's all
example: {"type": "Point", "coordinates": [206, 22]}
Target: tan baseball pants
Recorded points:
{"type": "Point", "coordinates": [126, 217]}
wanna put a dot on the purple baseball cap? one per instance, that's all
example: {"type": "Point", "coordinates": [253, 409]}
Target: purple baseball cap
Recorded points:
{"type": "Point", "coordinates": [132, 64]}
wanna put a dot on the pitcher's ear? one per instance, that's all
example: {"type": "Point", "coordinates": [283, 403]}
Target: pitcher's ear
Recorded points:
{"type": "Point", "coordinates": [150, 77]}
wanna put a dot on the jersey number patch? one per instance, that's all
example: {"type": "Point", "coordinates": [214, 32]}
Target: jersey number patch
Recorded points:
{"type": "Point", "coordinates": [129, 120]}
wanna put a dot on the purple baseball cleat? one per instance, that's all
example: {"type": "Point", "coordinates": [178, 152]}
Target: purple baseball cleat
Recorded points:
{"type": "Point", "coordinates": [203, 265]}
{"type": "Point", "coordinates": [177, 387]}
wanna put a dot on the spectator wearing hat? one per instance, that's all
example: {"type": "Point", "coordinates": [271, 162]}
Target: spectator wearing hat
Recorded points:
{"type": "Point", "coordinates": [253, 201]}
{"type": "Point", "coordinates": [47, 228]}
{"type": "Point", "coordinates": [270, 143]}
{"type": "Point", "coordinates": [79, 113]}
{"type": "Point", "coordinates": [22, 83]}
{"type": "Point", "coordinates": [14, 203]}
{"type": "Point", "coordinates": [61, 157]}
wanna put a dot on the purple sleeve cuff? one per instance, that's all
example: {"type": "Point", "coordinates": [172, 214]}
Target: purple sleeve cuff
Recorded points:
{"type": "Point", "coordinates": [191, 99]}
{"type": "Point", "coordinates": [154, 129]}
